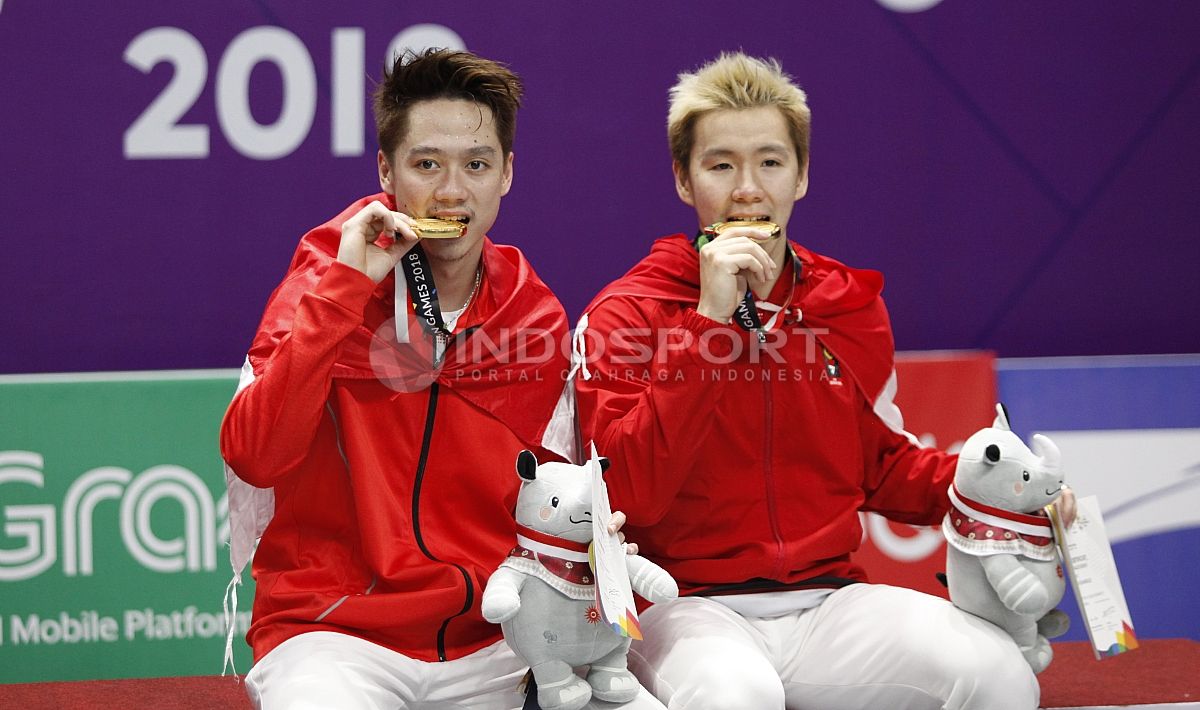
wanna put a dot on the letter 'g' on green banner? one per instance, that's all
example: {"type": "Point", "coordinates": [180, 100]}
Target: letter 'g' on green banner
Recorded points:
{"type": "Point", "coordinates": [114, 526]}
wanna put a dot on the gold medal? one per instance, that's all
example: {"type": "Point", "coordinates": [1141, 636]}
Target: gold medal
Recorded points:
{"type": "Point", "coordinates": [433, 228]}
{"type": "Point", "coordinates": [770, 229]}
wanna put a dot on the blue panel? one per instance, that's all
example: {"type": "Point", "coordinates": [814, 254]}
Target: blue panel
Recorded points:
{"type": "Point", "coordinates": [1160, 586]}
{"type": "Point", "coordinates": [1072, 394]}
{"type": "Point", "coordinates": [1159, 572]}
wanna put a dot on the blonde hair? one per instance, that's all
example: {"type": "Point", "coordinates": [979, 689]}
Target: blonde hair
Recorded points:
{"type": "Point", "coordinates": [735, 81]}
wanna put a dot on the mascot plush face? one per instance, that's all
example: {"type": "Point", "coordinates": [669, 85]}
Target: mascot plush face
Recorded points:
{"type": "Point", "coordinates": [555, 498]}
{"type": "Point", "coordinates": [995, 467]}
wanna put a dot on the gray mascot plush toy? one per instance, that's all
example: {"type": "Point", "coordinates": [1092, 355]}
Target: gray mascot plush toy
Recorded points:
{"type": "Point", "coordinates": [544, 594]}
{"type": "Point", "coordinates": [1001, 560]}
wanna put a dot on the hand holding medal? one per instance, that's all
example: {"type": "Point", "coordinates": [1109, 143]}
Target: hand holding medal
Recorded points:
{"type": "Point", "coordinates": [732, 254]}
{"type": "Point", "coordinates": [376, 223]}
{"type": "Point", "coordinates": [399, 232]}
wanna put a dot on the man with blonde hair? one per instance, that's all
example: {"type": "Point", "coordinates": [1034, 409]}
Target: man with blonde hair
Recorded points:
{"type": "Point", "coordinates": [742, 387]}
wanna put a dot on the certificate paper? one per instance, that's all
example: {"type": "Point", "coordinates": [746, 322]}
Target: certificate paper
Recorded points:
{"type": "Point", "coordinates": [1093, 575]}
{"type": "Point", "coordinates": [614, 595]}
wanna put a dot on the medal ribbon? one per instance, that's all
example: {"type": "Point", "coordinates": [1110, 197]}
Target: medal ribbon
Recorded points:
{"type": "Point", "coordinates": [422, 291]}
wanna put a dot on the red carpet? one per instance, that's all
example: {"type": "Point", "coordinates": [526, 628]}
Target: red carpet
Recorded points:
{"type": "Point", "coordinates": [1162, 671]}
{"type": "Point", "coordinates": [198, 693]}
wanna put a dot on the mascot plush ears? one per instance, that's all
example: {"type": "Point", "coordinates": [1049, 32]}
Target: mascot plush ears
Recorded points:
{"type": "Point", "coordinates": [991, 452]}
{"type": "Point", "coordinates": [544, 594]}
{"type": "Point", "coordinates": [527, 465]}
{"type": "Point", "coordinates": [1001, 560]}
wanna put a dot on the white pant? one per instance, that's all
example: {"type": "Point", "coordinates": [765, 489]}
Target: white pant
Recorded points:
{"type": "Point", "coordinates": [331, 671]}
{"type": "Point", "coordinates": [865, 646]}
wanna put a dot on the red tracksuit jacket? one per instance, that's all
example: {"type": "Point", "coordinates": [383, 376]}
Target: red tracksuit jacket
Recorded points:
{"type": "Point", "coordinates": [392, 507]}
{"type": "Point", "coordinates": [740, 475]}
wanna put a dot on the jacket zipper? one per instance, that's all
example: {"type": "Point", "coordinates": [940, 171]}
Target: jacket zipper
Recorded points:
{"type": "Point", "coordinates": [769, 476]}
{"type": "Point", "coordinates": [416, 520]}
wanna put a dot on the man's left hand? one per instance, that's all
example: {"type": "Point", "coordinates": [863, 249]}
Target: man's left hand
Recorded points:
{"type": "Point", "coordinates": [615, 523]}
{"type": "Point", "coordinates": [1066, 506]}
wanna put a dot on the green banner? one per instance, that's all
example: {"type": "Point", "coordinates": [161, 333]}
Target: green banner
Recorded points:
{"type": "Point", "coordinates": [113, 527]}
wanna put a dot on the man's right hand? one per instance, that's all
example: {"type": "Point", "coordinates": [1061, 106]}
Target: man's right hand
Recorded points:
{"type": "Point", "coordinates": [358, 249]}
{"type": "Point", "coordinates": [727, 265]}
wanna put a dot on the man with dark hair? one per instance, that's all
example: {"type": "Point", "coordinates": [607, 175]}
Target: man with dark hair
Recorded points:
{"type": "Point", "coordinates": [744, 394]}
{"type": "Point", "coordinates": [379, 417]}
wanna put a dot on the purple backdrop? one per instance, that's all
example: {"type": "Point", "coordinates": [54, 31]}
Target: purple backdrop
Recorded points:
{"type": "Point", "coordinates": [1023, 172]}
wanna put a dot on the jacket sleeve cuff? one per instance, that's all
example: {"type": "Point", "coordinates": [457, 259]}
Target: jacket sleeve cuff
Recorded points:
{"type": "Point", "coordinates": [346, 287]}
{"type": "Point", "coordinates": [711, 337]}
